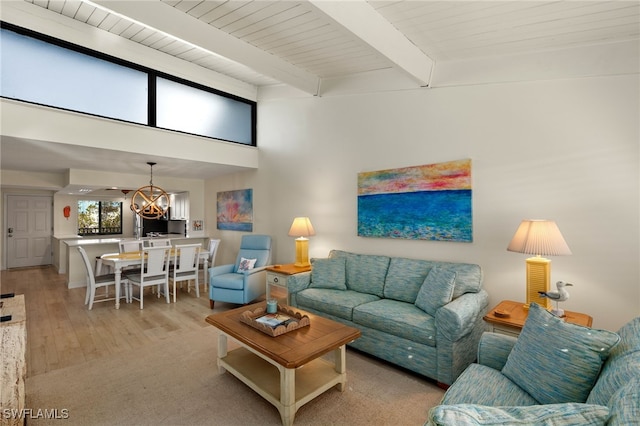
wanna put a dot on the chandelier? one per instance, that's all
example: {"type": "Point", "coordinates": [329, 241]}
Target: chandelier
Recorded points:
{"type": "Point", "coordinates": [150, 202]}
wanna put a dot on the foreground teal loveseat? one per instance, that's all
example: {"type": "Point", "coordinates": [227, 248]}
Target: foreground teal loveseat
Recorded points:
{"type": "Point", "coordinates": [422, 315]}
{"type": "Point", "coordinates": [554, 374]}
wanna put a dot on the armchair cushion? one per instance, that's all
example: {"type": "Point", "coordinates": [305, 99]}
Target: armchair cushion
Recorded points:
{"type": "Point", "coordinates": [555, 361]}
{"type": "Point", "coordinates": [232, 281]}
{"type": "Point", "coordinates": [551, 415]}
{"type": "Point", "coordinates": [625, 404]}
{"type": "Point", "coordinates": [483, 385]}
{"type": "Point", "coordinates": [329, 273]}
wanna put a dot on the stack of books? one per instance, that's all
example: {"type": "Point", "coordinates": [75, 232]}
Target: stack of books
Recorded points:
{"type": "Point", "coordinates": [275, 320]}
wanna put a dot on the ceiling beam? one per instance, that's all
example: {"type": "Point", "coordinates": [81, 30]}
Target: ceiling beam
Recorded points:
{"type": "Point", "coordinates": [362, 20]}
{"type": "Point", "coordinates": [166, 18]}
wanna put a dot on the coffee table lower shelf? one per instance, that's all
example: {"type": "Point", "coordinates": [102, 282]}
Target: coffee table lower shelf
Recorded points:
{"type": "Point", "coordinates": [286, 388]}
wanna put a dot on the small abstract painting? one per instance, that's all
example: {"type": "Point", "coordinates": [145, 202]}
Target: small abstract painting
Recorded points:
{"type": "Point", "coordinates": [430, 202]}
{"type": "Point", "coordinates": [235, 210]}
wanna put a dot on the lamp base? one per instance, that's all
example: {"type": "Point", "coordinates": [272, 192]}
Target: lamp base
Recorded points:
{"type": "Point", "coordinates": [538, 279]}
{"type": "Point", "coordinates": [302, 253]}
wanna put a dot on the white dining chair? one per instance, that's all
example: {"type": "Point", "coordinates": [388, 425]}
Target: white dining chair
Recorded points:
{"type": "Point", "coordinates": [154, 271]}
{"type": "Point", "coordinates": [100, 281]}
{"type": "Point", "coordinates": [213, 250]}
{"type": "Point", "coordinates": [185, 267]}
{"type": "Point", "coordinates": [162, 242]}
{"type": "Point", "coordinates": [127, 246]}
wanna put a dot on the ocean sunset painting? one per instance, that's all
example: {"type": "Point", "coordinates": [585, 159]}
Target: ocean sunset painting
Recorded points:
{"type": "Point", "coordinates": [430, 202]}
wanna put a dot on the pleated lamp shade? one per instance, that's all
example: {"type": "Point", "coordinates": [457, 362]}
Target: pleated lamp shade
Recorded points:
{"type": "Point", "coordinates": [539, 238]}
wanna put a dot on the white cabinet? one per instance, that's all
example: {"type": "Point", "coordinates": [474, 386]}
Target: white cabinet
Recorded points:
{"type": "Point", "coordinates": [180, 206]}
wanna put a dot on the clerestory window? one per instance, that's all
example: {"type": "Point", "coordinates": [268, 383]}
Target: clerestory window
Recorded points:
{"type": "Point", "coordinates": [82, 80]}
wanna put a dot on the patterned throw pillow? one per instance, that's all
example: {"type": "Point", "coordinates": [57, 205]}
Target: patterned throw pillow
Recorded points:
{"type": "Point", "coordinates": [555, 361]}
{"type": "Point", "coordinates": [246, 264]}
{"type": "Point", "coordinates": [329, 273]}
{"type": "Point", "coordinates": [437, 290]}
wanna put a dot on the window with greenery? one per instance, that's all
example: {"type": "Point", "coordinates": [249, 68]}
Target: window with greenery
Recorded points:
{"type": "Point", "coordinates": [99, 217]}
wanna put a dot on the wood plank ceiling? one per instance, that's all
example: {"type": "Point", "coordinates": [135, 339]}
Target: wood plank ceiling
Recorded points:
{"type": "Point", "coordinates": [300, 43]}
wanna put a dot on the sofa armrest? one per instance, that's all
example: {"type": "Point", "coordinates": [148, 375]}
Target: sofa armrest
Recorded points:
{"type": "Point", "coordinates": [570, 413]}
{"type": "Point", "coordinates": [221, 269]}
{"type": "Point", "coordinates": [458, 318]}
{"type": "Point", "coordinates": [494, 349]}
{"type": "Point", "coordinates": [298, 282]}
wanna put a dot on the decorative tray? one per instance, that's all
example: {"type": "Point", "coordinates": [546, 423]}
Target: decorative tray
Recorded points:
{"type": "Point", "coordinates": [283, 321]}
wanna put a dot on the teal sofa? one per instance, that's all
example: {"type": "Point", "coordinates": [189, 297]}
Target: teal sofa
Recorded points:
{"type": "Point", "coordinates": [422, 315]}
{"type": "Point", "coordinates": [559, 366]}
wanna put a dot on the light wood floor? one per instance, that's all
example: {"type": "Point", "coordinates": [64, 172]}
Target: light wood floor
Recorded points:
{"type": "Point", "coordinates": [61, 331]}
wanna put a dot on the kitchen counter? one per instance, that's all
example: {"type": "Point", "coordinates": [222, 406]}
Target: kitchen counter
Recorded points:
{"type": "Point", "coordinates": [76, 273]}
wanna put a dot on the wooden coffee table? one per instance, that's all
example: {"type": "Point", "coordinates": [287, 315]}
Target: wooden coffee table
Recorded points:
{"type": "Point", "coordinates": [269, 365]}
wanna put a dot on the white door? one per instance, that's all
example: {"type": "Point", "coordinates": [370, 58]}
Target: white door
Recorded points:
{"type": "Point", "coordinates": [28, 230]}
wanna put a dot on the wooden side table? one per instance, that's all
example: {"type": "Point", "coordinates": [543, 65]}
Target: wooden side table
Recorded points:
{"type": "Point", "coordinates": [277, 277]}
{"type": "Point", "coordinates": [508, 317]}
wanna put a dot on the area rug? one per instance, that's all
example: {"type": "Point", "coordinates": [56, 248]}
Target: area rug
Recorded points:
{"type": "Point", "coordinates": [176, 382]}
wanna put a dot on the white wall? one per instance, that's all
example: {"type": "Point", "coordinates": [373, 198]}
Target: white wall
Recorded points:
{"type": "Point", "coordinates": [566, 150]}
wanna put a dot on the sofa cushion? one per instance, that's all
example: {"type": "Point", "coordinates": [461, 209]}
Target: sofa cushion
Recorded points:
{"type": "Point", "coordinates": [625, 405]}
{"type": "Point", "coordinates": [437, 290]}
{"type": "Point", "coordinates": [571, 414]}
{"type": "Point", "coordinates": [328, 273]}
{"type": "Point", "coordinates": [404, 278]}
{"type": "Point", "coordinates": [479, 384]}
{"type": "Point", "coordinates": [397, 318]}
{"type": "Point", "coordinates": [555, 361]}
{"type": "Point", "coordinates": [468, 278]}
{"type": "Point", "coordinates": [339, 303]}
{"type": "Point", "coordinates": [365, 272]}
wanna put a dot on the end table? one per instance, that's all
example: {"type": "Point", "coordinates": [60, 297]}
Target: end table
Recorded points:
{"type": "Point", "coordinates": [277, 277]}
{"type": "Point", "coordinates": [508, 317]}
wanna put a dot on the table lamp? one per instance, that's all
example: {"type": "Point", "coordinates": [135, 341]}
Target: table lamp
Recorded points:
{"type": "Point", "coordinates": [302, 228]}
{"type": "Point", "coordinates": [540, 238]}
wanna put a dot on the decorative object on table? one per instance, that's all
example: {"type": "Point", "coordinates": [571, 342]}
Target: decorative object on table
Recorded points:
{"type": "Point", "coordinates": [235, 210]}
{"type": "Point", "coordinates": [272, 306]}
{"type": "Point", "coordinates": [150, 202]}
{"type": "Point", "coordinates": [540, 238]}
{"type": "Point", "coordinates": [557, 296]}
{"type": "Point", "coordinates": [284, 320]}
{"type": "Point", "coordinates": [430, 202]}
{"type": "Point", "coordinates": [302, 228]}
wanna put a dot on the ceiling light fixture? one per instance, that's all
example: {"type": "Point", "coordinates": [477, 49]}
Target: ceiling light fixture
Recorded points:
{"type": "Point", "coordinates": [150, 202]}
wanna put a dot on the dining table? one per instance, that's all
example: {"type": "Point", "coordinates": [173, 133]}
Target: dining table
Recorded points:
{"type": "Point", "coordinates": [118, 261]}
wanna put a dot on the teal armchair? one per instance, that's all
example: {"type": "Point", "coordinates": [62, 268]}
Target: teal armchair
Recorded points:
{"type": "Point", "coordinates": [234, 283]}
